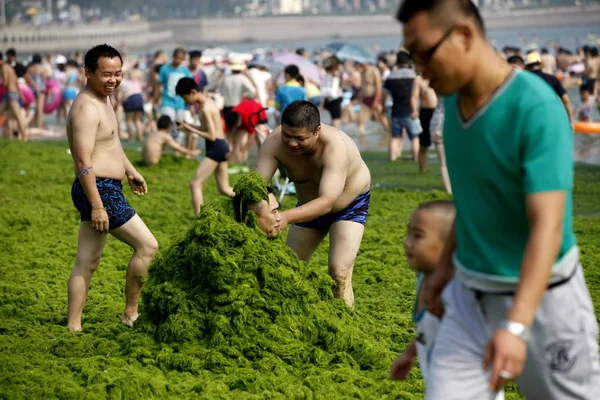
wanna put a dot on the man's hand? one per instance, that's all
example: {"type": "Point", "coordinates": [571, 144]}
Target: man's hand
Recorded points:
{"type": "Point", "coordinates": [414, 114]}
{"type": "Point", "coordinates": [402, 366]}
{"type": "Point", "coordinates": [282, 223]}
{"type": "Point", "coordinates": [432, 292]}
{"type": "Point", "coordinates": [506, 354]}
{"type": "Point", "coordinates": [137, 183]}
{"type": "Point", "coordinates": [99, 219]}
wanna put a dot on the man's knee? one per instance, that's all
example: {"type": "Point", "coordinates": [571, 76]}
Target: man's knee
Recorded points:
{"type": "Point", "coordinates": [149, 248]}
{"type": "Point", "coordinates": [196, 184]}
{"type": "Point", "coordinates": [340, 273]}
{"type": "Point", "coordinates": [89, 262]}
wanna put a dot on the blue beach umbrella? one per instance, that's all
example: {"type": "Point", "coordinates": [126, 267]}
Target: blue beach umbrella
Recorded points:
{"type": "Point", "coordinates": [348, 51]}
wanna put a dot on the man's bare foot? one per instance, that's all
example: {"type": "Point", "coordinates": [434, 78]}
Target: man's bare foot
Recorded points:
{"type": "Point", "coordinates": [74, 327]}
{"type": "Point", "coordinates": [129, 320]}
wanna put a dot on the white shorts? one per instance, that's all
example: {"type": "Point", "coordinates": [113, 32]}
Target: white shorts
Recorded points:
{"type": "Point", "coordinates": [562, 357]}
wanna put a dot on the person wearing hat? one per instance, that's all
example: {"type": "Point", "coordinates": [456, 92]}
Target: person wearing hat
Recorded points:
{"type": "Point", "coordinates": [534, 64]}
{"type": "Point", "coordinates": [237, 85]}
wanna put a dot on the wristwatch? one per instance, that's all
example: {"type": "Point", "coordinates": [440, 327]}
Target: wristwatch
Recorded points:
{"type": "Point", "coordinates": [519, 330]}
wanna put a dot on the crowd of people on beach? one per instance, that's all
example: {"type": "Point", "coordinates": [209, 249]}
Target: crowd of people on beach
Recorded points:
{"type": "Point", "coordinates": [501, 291]}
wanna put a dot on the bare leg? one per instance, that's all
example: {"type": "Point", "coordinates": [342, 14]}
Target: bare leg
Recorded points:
{"type": "Point", "coordinates": [222, 178]}
{"type": "Point", "coordinates": [423, 158]}
{"type": "Point", "coordinates": [395, 148]}
{"type": "Point", "coordinates": [17, 114]}
{"type": "Point", "coordinates": [363, 116]}
{"type": "Point", "coordinates": [39, 111]}
{"type": "Point", "coordinates": [130, 121]}
{"type": "Point", "coordinates": [139, 126]}
{"type": "Point", "coordinates": [304, 241]}
{"type": "Point", "coordinates": [345, 238]}
{"type": "Point", "coordinates": [337, 123]}
{"type": "Point", "coordinates": [439, 148]}
{"type": "Point", "coordinates": [137, 235]}
{"type": "Point", "coordinates": [89, 250]}
{"type": "Point", "coordinates": [415, 148]}
{"type": "Point", "coordinates": [206, 167]}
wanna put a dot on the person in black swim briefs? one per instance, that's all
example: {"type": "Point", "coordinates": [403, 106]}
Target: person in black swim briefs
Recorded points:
{"type": "Point", "coordinates": [100, 165]}
{"type": "Point", "coordinates": [217, 149]}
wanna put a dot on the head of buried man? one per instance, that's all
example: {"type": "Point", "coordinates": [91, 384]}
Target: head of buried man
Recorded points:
{"type": "Point", "coordinates": [301, 127]}
{"type": "Point", "coordinates": [103, 69]}
{"type": "Point", "coordinates": [266, 212]}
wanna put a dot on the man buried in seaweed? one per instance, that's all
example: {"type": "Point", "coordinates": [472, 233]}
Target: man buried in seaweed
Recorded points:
{"type": "Point", "coordinates": [252, 194]}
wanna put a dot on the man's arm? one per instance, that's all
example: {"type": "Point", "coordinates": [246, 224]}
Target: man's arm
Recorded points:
{"type": "Point", "coordinates": [267, 162]}
{"type": "Point", "coordinates": [378, 83]}
{"type": "Point", "coordinates": [333, 179]}
{"type": "Point", "coordinates": [545, 212]}
{"type": "Point", "coordinates": [85, 125]}
{"type": "Point", "coordinates": [414, 98]}
{"type": "Point", "coordinates": [197, 131]}
{"type": "Point", "coordinates": [567, 102]}
{"type": "Point", "coordinates": [173, 144]}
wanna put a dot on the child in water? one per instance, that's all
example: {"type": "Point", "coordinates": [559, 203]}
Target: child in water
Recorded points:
{"type": "Point", "coordinates": [428, 229]}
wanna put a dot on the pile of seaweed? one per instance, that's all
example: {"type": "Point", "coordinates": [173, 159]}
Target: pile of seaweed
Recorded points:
{"type": "Point", "coordinates": [226, 287]}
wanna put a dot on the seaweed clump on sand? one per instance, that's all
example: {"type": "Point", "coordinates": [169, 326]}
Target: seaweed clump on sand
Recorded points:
{"type": "Point", "coordinates": [226, 287]}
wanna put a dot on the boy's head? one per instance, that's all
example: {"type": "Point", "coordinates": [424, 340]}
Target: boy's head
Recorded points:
{"type": "Point", "coordinates": [164, 123]}
{"type": "Point", "coordinates": [187, 88]}
{"type": "Point", "coordinates": [195, 59]}
{"type": "Point", "coordinates": [517, 61]}
{"type": "Point", "coordinates": [428, 230]}
{"type": "Point", "coordinates": [291, 72]}
{"type": "Point", "coordinates": [584, 94]}
{"type": "Point", "coordinates": [232, 120]}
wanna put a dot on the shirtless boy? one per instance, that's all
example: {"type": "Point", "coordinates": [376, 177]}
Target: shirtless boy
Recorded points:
{"type": "Point", "coordinates": [217, 149]}
{"type": "Point", "coordinates": [157, 142]}
{"type": "Point", "coordinates": [332, 182]}
{"type": "Point", "coordinates": [99, 166]}
{"type": "Point", "coordinates": [12, 97]}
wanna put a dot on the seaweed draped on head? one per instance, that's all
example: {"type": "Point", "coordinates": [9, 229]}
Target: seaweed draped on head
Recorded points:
{"type": "Point", "coordinates": [249, 189]}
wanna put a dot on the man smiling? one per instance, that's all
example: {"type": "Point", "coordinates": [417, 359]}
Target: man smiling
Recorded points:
{"type": "Point", "coordinates": [332, 182]}
{"type": "Point", "coordinates": [517, 304]}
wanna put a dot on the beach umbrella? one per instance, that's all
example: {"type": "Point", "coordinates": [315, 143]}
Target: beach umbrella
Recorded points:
{"type": "Point", "coordinates": [308, 69]}
{"type": "Point", "coordinates": [348, 51]}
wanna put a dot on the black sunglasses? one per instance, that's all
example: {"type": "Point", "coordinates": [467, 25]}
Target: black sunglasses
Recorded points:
{"type": "Point", "coordinates": [428, 55]}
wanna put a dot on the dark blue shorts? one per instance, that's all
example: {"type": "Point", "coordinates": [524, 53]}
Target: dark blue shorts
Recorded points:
{"type": "Point", "coordinates": [217, 150]}
{"type": "Point", "coordinates": [111, 192]}
{"type": "Point", "coordinates": [135, 102]}
{"type": "Point", "coordinates": [355, 212]}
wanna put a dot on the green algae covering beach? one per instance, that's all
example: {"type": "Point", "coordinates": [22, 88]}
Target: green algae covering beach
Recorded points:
{"type": "Point", "coordinates": [226, 313]}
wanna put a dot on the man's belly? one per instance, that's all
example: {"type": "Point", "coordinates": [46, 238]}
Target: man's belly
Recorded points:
{"type": "Point", "coordinates": [108, 166]}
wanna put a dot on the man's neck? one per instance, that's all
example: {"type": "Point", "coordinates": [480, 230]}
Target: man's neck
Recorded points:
{"type": "Point", "coordinates": [489, 74]}
{"type": "Point", "coordinates": [98, 96]}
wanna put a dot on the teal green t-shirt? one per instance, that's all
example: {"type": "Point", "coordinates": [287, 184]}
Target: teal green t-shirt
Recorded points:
{"type": "Point", "coordinates": [519, 143]}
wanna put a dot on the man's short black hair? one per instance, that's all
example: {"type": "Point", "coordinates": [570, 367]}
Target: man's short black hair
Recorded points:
{"type": "Point", "coordinates": [403, 58]}
{"type": "Point", "coordinates": [594, 51]}
{"type": "Point", "coordinates": [409, 8]}
{"type": "Point", "coordinates": [185, 86]}
{"type": "Point", "coordinates": [515, 60]}
{"type": "Point", "coordinates": [292, 70]}
{"type": "Point", "coordinates": [195, 54]}
{"type": "Point", "coordinates": [11, 52]}
{"type": "Point", "coordinates": [584, 88]}
{"type": "Point", "coordinates": [232, 118]}
{"type": "Point", "coordinates": [544, 50]}
{"type": "Point", "coordinates": [1, 56]}
{"type": "Point", "coordinates": [300, 51]}
{"type": "Point", "coordinates": [178, 50]}
{"type": "Point", "coordinates": [301, 114]}
{"type": "Point", "coordinates": [96, 52]}
{"type": "Point", "coordinates": [164, 123]}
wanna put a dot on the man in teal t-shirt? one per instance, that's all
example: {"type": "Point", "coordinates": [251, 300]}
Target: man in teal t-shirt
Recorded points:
{"type": "Point", "coordinates": [516, 304]}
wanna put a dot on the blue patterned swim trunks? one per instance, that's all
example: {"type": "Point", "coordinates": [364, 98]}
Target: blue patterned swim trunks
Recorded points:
{"type": "Point", "coordinates": [356, 211]}
{"type": "Point", "coordinates": [111, 192]}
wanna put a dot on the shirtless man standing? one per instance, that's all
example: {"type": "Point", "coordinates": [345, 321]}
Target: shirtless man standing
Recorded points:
{"type": "Point", "coordinates": [100, 165]}
{"type": "Point", "coordinates": [158, 140]}
{"type": "Point", "coordinates": [372, 96]}
{"type": "Point", "coordinates": [12, 97]}
{"type": "Point", "coordinates": [217, 149]}
{"type": "Point", "coordinates": [428, 102]}
{"type": "Point", "coordinates": [332, 182]}
{"type": "Point", "coordinates": [592, 72]}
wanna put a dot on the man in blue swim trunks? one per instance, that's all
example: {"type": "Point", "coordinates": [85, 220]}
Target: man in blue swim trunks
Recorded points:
{"type": "Point", "coordinates": [12, 97]}
{"type": "Point", "coordinates": [332, 182]}
{"type": "Point", "coordinates": [100, 165]}
{"type": "Point", "coordinates": [217, 149]}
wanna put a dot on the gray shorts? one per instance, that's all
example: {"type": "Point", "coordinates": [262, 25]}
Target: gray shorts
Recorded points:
{"type": "Point", "coordinates": [562, 357]}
